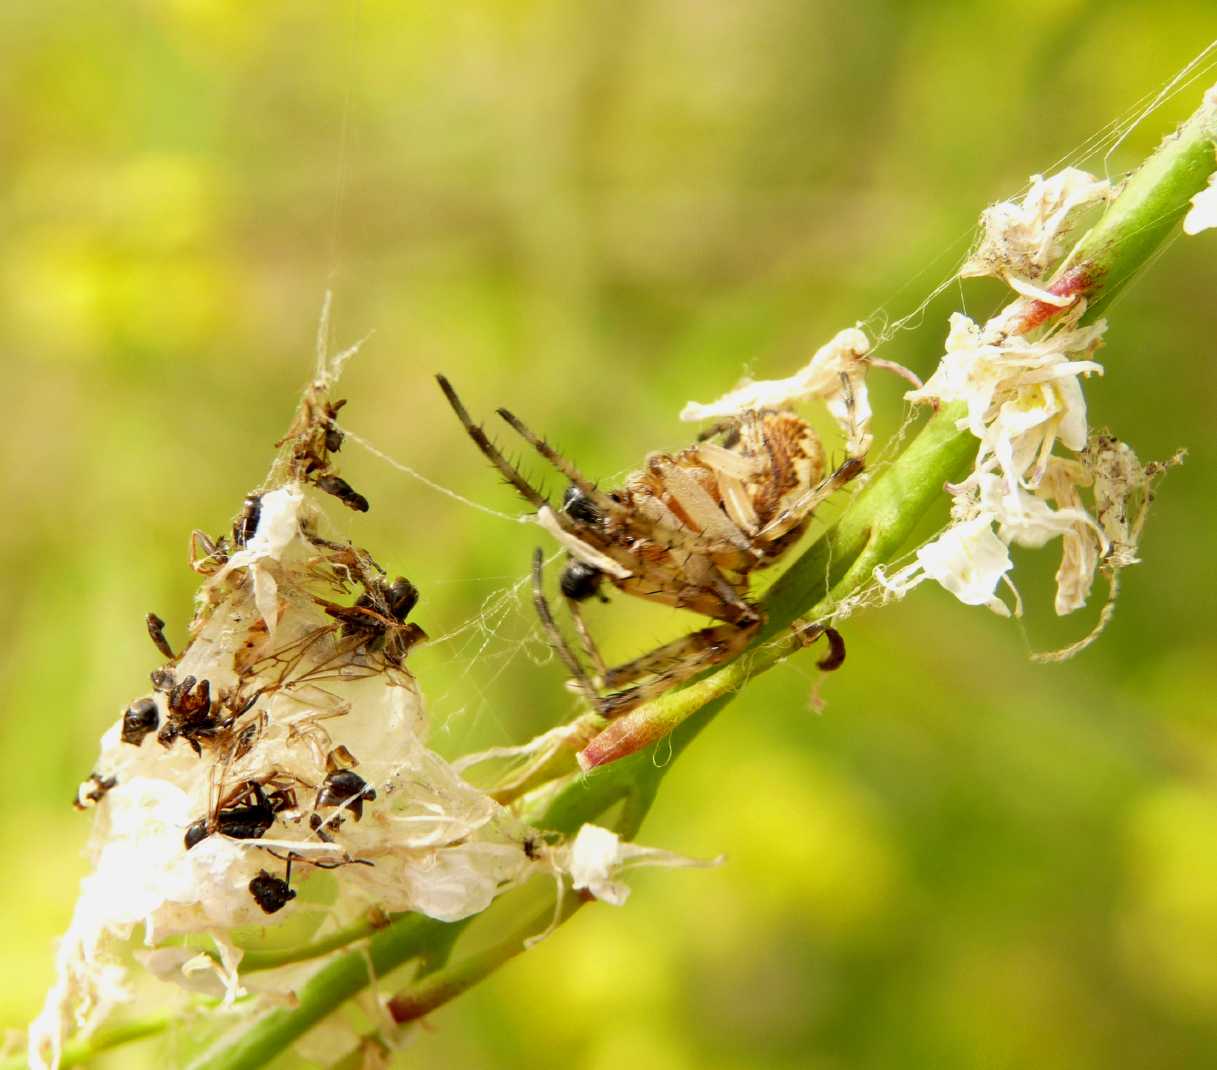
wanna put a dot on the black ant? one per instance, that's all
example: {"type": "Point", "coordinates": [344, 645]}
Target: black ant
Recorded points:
{"type": "Point", "coordinates": [244, 815]}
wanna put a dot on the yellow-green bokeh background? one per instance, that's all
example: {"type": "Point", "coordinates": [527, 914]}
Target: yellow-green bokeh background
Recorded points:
{"type": "Point", "coordinates": [592, 212]}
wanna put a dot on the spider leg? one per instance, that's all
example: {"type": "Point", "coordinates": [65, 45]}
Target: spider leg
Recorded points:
{"type": "Point", "coordinates": [710, 595]}
{"type": "Point", "coordinates": [585, 638]}
{"type": "Point", "coordinates": [556, 459]}
{"type": "Point", "coordinates": [556, 639]}
{"type": "Point", "coordinates": [674, 663]}
{"type": "Point", "coordinates": [848, 470]}
{"type": "Point", "coordinates": [492, 454]}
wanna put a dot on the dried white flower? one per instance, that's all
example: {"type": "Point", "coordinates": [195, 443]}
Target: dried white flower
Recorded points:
{"type": "Point", "coordinates": [596, 857]}
{"type": "Point", "coordinates": [836, 373]}
{"type": "Point", "coordinates": [1021, 242]}
{"type": "Point", "coordinates": [968, 559]}
{"type": "Point", "coordinates": [1022, 395]}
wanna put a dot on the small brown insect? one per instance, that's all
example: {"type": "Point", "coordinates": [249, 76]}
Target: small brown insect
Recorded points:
{"type": "Point", "coordinates": [141, 717]}
{"type": "Point", "coordinates": [343, 491]}
{"type": "Point", "coordinates": [101, 787]}
{"type": "Point", "coordinates": [378, 616]}
{"type": "Point", "coordinates": [343, 788]}
{"type": "Point", "coordinates": [246, 524]}
{"type": "Point", "coordinates": [272, 893]}
{"type": "Point", "coordinates": [156, 632]}
{"type": "Point", "coordinates": [245, 814]}
{"type": "Point", "coordinates": [313, 436]}
{"type": "Point", "coordinates": [687, 530]}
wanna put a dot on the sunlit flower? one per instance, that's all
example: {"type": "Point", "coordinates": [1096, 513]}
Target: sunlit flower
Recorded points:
{"type": "Point", "coordinates": [1022, 396]}
{"type": "Point", "coordinates": [967, 559]}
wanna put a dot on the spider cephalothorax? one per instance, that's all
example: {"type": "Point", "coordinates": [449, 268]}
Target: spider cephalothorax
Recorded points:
{"type": "Point", "coordinates": [685, 530]}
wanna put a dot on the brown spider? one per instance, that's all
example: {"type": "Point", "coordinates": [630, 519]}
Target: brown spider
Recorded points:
{"type": "Point", "coordinates": [685, 530]}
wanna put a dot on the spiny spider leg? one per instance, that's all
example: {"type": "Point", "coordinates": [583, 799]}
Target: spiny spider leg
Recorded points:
{"type": "Point", "coordinates": [510, 473]}
{"type": "Point", "coordinates": [555, 458]}
{"type": "Point", "coordinates": [585, 638]}
{"type": "Point", "coordinates": [699, 649]}
{"type": "Point", "coordinates": [673, 664]}
{"type": "Point", "coordinates": [848, 470]}
{"type": "Point", "coordinates": [556, 639]}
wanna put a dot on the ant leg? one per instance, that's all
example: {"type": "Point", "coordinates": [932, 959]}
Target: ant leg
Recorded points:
{"type": "Point", "coordinates": [510, 473]}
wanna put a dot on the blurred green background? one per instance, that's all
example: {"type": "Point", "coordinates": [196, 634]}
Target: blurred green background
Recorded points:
{"type": "Point", "coordinates": [593, 212]}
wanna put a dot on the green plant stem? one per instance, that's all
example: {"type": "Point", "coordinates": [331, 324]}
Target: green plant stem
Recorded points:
{"type": "Point", "coordinates": [78, 1053]}
{"type": "Point", "coordinates": [873, 531]}
{"type": "Point", "coordinates": [443, 985]}
{"type": "Point", "coordinates": [411, 937]}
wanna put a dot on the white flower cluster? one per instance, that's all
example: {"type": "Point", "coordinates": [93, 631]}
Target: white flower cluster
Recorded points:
{"type": "Point", "coordinates": [288, 737]}
{"type": "Point", "coordinates": [1023, 396]}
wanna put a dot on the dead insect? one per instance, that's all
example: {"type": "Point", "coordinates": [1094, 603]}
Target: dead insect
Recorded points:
{"type": "Point", "coordinates": [342, 787]}
{"type": "Point", "coordinates": [141, 717]}
{"type": "Point", "coordinates": [191, 715]}
{"type": "Point", "coordinates": [345, 786]}
{"type": "Point", "coordinates": [272, 893]}
{"type": "Point", "coordinates": [379, 616]}
{"type": "Point", "coordinates": [343, 491]}
{"type": "Point", "coordinates": [101, 786]}
{"type": "Point", "coordinates": [246, 524]}
{"type": "Point", "coordinates": [245, 815]}
{"type": "Point", "coordinates": [314, 434]}
{"type": "Point", "coordinates": [156, 632]}
{"type": "Point", "coordinates": [207, 555]}
{"type": "Point", "coordinates": [687, 530]}
{"type": "Point", "coordinates": [163, 680]}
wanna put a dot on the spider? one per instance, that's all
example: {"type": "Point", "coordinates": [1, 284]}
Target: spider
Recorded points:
{"type": "Point", "coordinates": [686, 530]}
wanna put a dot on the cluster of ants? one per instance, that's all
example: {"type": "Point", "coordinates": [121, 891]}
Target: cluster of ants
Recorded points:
{"type": "Point", "coordinates": [370, 635]}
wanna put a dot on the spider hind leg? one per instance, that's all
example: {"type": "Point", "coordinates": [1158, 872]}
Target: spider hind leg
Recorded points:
{"type": "Point", "coordinates": [672, 664]}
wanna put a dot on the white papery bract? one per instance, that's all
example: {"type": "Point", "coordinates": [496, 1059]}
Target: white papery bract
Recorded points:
{"type": "Point", "coordinates": [436, 844]}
